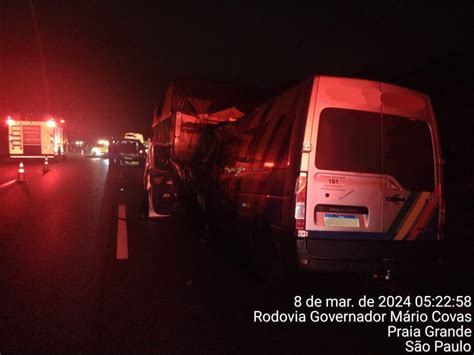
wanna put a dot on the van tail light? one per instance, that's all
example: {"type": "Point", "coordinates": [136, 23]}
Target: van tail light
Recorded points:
{"type": "Point", "coordinates": [300, 200]}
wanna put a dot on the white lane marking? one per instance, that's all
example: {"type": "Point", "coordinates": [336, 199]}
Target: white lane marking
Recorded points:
{"type": "Point", "coordinates": [7, 183]}
{"type": "Point", "coordinates": [122, 240]}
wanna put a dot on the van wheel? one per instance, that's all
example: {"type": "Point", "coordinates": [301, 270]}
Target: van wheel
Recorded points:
{"type": "Point", "coordinates": [218, 234]}
{"type": "Point", "coordinates": [262, 255]}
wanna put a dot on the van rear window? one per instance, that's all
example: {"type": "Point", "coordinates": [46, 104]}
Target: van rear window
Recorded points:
{"type": "Point", "coordinates": [349, 140]}
{"type": "Point", "coordinates": [408, 152]}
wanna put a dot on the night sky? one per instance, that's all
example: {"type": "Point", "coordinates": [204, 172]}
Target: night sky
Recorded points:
{"type": "Point", "coordinates": [107, 63]}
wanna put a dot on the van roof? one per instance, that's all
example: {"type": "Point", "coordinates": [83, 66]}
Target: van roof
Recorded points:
{"type": "Point", "coordinates": [374, 96]}
{"type": "Point", "coordinates": [332, 91]}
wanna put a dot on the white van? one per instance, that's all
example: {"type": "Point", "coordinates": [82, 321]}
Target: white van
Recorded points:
{"type": "Point", "coordinates": [344, 173]}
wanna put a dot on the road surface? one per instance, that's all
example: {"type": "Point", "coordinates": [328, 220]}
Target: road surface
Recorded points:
{"type": "Point", "coordinates": [83, 271]}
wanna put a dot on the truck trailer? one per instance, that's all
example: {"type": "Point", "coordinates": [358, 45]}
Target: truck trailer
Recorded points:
{"type": "Point", "coordinates": [191, 110]}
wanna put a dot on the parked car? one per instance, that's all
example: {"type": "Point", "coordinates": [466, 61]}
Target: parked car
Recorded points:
{"type": "Point", "coordinates": [100, 149]}
{"type": "Point", "coordinates": [127, 151]}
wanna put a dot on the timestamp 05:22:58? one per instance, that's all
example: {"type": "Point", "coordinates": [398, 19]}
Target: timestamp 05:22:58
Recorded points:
{"type": "Point", "coordinates": [426, 301]}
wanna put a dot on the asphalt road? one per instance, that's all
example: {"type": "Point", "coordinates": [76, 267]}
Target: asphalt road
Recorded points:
{"type": "Point", "coordinates": [63, 288]}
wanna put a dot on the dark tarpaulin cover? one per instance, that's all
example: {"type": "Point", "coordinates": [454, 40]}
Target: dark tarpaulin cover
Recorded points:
{"type": "Point", "coordinates": [296, 98]}
{"type": "Point", "coordinates": [197, 96]}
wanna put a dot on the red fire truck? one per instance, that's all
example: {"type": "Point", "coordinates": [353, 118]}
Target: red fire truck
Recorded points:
{"type": "Point", "coordinates": [36, 136]}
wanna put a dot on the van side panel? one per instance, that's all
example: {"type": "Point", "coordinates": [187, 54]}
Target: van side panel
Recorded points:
{"type": "Point", "coordinates": [299, 159]}
{"type": "Point", "coordinates": [258, 160]}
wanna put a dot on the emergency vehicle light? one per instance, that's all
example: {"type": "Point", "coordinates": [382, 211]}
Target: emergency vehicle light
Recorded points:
{"type": "Point", "coordinates": [51, 123]}
{"type": "Point", "coordinates": [10, 121]}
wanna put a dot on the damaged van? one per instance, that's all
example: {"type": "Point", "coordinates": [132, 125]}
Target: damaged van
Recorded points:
{"type": "Point", "coordinates": [336, 173]}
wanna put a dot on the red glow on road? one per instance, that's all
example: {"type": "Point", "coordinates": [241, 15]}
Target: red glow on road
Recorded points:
{"type": "Point", "coordinates": [122, 242]}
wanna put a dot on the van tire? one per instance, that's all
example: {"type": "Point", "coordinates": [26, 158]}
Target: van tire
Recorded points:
{"type": "Point", "coordinates": [264, 263]}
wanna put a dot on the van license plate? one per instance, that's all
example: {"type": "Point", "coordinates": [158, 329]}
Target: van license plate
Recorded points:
{"type": "Point", "coordinates": [337, 220]}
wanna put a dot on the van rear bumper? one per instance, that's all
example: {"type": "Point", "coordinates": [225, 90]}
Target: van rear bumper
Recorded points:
{"type": "Point", "coordinates": [367, 255]}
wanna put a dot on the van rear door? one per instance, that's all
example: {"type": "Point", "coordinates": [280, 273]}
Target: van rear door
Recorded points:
{"type": "Point", "coordinates": [344, 192]}
{"type": "Point", "coordinates": [410, 192]}
{"type": "Point", "coordinates": [372, 171]}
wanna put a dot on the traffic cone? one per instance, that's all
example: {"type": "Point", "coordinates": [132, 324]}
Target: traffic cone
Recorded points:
{"type": "Point", "coordinates": [21, 173]}
{"type": "Point", "coordinates": [46, 165]}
